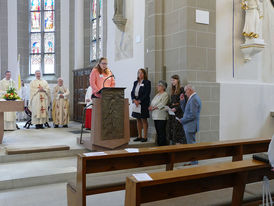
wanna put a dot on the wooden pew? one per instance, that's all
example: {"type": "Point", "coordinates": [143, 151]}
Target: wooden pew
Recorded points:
{"type": "Point", "coordinates": [166, 155]}
{"type": "Point", "coordinates": [171, 184]}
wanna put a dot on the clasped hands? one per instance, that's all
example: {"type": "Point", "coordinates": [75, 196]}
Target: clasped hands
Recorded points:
{"type": "Point", "coordinates": [182, 97]}
{"type": "Point", "coordinates": [151, 108]}
{"type": "Point", "coordinates": [41, 89]}
{"type": "Point", "coordinates": [136, 102]}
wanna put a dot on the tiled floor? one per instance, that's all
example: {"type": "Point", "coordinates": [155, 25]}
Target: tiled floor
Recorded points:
{"type": "Point", "coordinates": [24, 138]}
{"type": "Point", "coordinates": [55, 195]}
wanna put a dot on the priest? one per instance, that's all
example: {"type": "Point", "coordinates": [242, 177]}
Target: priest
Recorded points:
{"type": "Point", "coordinates": [39, 101]}
{"type": "Point", "coordinates": [9, 117]}
{"type": "Point", "coordinates": [60, 109]}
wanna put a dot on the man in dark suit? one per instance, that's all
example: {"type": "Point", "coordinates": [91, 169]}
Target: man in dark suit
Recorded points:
{"type": "Point", "coordinates": [191, 118]}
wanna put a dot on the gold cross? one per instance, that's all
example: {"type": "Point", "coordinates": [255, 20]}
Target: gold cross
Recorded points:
{"type": "Point", "coordinates": [41, 98]}
{"type": "Point", "coordinates": [42, 109]}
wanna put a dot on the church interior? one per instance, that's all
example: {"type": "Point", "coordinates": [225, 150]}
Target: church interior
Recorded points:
{"type": "Point", "coordinates": [63, 144]}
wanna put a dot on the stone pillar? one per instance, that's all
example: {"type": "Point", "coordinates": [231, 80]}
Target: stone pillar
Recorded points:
{"type": "Point", "coordinates": [71, 51]}
{"type": "Point", "coordinates": [12, 35]}
{"type": "Point", "coordinates": [87, 10]}
{"type": "Point", "coordinates": [176, 42]}
{"type": "Point", "coordinates": [154, 40]}
{"type": "Point", "coordinates": [3, 36]}
{"type": "Point", "coordinates": [79, 34]}
{"type": "Point", "coordinates": [23, 37]}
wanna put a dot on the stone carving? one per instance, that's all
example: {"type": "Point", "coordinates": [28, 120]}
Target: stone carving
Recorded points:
{"type": "Point", "coordinates": [252, 31]}
{"type": "Point", "coordinates": [113, 115]}
{"type": "Point", "coordinates": [118, 17]}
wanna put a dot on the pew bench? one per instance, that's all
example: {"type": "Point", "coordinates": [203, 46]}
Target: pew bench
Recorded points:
{"type": "Point", "coordinates": [171, 184]}
{"type": "Point", "coordinates": [146, 157]}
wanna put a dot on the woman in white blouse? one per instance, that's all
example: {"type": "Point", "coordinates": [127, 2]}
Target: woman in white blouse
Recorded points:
{"type": "Point", "coordinates": [159, 113]}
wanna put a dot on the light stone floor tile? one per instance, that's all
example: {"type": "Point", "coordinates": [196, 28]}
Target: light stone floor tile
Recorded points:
{"type": "Point", "coordinates": [25, 169]}
{"type": "Point", "coordinates": [55, 195]}
{"type": "Point", "coordinates": [48, 137]}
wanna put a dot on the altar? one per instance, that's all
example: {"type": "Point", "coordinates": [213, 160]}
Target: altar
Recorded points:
{"type": "Point", "coordinates": [8, 106]}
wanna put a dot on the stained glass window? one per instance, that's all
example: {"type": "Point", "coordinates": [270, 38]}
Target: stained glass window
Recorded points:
{"type": "Point", "coordinates": [42, 36]}
{"type": "Point", "coordinates": [35, 61]}
{"type": "Point", "coordinates": [49, 20]}
{"type": "Point", "coordinates": [35, 21]}
{"type": "Point", "coordinates": [49, 63]}
{"type": "Point", "coordinates": [49, 42]}
{"type": "Point", "coordinates": [35, 5]}
{"type": "Point", "coordinates": [49, 5]}
{"type": "Point", "coordinates": [96, 30]}
{"type": "Point", "coordinates": [35, 43]}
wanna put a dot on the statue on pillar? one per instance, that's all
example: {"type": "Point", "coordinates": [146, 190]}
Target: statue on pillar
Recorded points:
{"type": "Point", "coordinates": [118, 17]}
{"type": "Point", "coordinates": [253, 19]}
{"type": "Point", "coordinates": [254, 42]}
{"type": "Point", "coordinates": [118, 7]}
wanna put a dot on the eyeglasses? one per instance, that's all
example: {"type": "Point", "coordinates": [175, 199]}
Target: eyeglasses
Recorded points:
{"type": "Point", "coordinates": [104, 63]}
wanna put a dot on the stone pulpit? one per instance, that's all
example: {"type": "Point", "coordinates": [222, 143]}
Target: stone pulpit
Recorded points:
{"type": "Point", "coordinates": [110, 121]}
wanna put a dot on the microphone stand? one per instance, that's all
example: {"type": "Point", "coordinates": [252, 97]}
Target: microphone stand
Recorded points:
{"type": "Point", "coordinates": [83, 120]}
{"type": "Point", "coordinates": [104, 83]}
{"type": "Point", "coordinates": [107, 79]}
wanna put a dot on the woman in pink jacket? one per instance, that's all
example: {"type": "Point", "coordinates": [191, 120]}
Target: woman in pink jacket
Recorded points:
{"type": "Point", "coordinates": [98, 76]}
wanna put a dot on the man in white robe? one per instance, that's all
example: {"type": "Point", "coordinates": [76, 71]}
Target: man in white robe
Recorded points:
{"type": "Point", "coordinates": [39, 101]}
{"type": "Point", "coordinates": [9, 117]}
{"type": "Point", "coordinates": [60, 108]}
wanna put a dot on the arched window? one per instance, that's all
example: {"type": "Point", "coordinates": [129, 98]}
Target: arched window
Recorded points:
{"type": "Point", "coordinates": [96, 30]}
{"type": "Point", "coordinates": [42, 36]}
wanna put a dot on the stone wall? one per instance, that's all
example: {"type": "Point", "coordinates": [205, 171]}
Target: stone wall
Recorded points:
{"type": "Point", "coordinates": [176, 44]}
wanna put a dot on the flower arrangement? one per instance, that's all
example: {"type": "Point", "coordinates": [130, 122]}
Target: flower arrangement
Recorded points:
{"type": "Point", "coordinates": [11, 94]}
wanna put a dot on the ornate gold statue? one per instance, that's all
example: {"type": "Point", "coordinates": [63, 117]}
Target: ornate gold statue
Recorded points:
{"type": "Point", "coordinates": [253, 19]}
{"type": "Point", "coordinates": [254, 42]}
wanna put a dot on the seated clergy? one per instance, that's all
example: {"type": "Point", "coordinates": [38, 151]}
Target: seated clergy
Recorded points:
{"type": "Point", "coordinates": [39, 101]}
{"type": "Point", "coordinates": [60, 108]}
{"type": "Point", "coordinates": [9, 117]}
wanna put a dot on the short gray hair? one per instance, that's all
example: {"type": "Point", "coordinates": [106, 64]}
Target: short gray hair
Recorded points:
{"type": "Point", "coordinates": [189, 86]}
{"type": "Point", "coordinates": [163, 83]}
{"type": "Point", "coordinates": [37, 71]}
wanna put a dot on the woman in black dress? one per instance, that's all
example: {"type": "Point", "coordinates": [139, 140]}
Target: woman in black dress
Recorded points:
{"type": "Point", "coordinates": [175, 130]}
{"type": "Point", "coordinates": [140, 95]}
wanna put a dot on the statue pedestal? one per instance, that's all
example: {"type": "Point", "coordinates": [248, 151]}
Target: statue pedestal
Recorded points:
{"type": "Point", "coordinates": [120, 22]}
{"type": "Point", "coordinates": [252, 47]}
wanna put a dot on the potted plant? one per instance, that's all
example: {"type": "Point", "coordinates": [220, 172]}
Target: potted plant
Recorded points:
{"type": "Point", "coordinates": [11, 95]}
